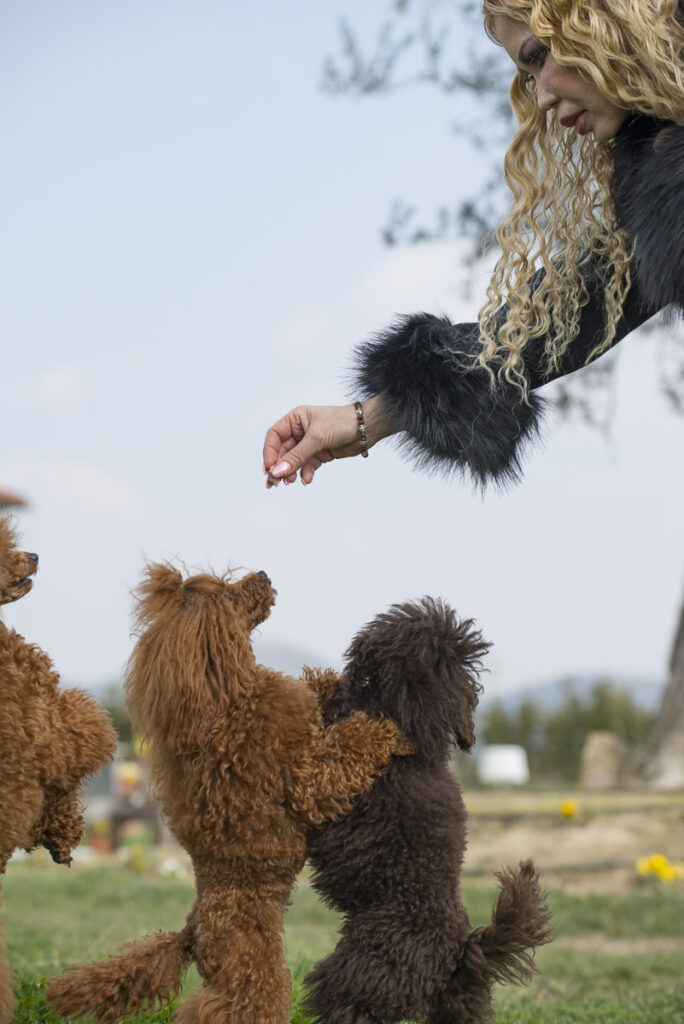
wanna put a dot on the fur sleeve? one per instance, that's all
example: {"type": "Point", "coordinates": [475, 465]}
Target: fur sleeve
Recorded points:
{"type": "Point", "coordinates": [450, 417]}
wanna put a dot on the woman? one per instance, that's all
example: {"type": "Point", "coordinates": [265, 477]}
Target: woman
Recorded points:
{"type": "Point", "coordinates": [593, 246]}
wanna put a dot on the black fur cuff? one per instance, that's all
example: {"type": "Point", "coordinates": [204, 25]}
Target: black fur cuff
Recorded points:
{"type": "Point", "coordinates": [451, 418]}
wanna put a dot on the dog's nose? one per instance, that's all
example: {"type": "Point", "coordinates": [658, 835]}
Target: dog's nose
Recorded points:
{"type": "Point", "coordinates": [33, 556]}
{"type": "Point", "coordinates": [263, 575]}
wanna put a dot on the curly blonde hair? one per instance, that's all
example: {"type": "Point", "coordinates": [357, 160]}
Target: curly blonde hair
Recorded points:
{"type": "Point", "coordinates": [563, 216]}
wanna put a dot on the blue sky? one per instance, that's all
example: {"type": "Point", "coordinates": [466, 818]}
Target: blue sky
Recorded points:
{"type": "Point", "coordinates": [191, 246]}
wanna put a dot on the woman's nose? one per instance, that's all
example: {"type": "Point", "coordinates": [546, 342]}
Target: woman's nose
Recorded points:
{"type": "Point", "coordinates": [546, 99]}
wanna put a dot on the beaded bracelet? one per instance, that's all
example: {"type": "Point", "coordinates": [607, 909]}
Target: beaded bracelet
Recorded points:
{"type": "Point", "coordinates": [363, 440]}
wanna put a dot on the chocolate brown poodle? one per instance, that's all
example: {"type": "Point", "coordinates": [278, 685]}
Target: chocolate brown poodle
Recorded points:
{"type": "Point", "coordinates": [242, 766]}
{"type": "Point", "coordinates": [50, 740]}
{"type": "Point", "coordinates": [392, 866]}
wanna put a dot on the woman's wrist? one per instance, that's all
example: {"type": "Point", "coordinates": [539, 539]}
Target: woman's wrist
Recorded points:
{"type": "Point", "coordinates": [378, 421]}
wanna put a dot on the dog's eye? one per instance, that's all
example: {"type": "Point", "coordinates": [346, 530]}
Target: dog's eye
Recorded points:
{"type": "Point", "coordinates": [366, 683]}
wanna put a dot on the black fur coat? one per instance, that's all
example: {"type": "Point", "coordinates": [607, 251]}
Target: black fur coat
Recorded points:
{"type": "Point", "coordinates": [449, 417]}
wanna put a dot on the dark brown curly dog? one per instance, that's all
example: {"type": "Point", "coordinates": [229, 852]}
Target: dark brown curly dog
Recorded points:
{"type": "Point", "coordinates": [50, 740]}
{"type": "Point", "coordinates": [242, 766]}
{"type": "Point", "coordinates": [392, 866]}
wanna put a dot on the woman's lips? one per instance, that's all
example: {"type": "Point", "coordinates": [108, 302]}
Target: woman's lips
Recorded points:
{"type": "Point", "coordinates": [578, 121]}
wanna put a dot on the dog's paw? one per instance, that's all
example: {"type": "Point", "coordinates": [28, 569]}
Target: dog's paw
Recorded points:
{"type": "Point", "coordinates": [399, 743]}
{"type": "Point", "coordinates": [404, 747]}
{"type": "Point", "coordinates": [324, 682]}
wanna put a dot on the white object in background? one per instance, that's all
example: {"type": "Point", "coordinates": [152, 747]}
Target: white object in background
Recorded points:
{"type": "Point", "coordinates": [503, 764]}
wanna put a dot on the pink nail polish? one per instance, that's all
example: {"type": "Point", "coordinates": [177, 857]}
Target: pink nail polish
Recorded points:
{"type": "Point", "coordinates": [282, 469]}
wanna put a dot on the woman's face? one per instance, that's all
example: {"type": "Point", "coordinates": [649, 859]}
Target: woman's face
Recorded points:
{"type": "Point", "coordinates": [578, 103]}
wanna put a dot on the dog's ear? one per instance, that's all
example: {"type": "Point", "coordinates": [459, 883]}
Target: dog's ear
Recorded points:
{"type": "Point", "coordinates": [456, 674]}
{"type": "Point", "coordinates": [8, 535]}
{"type": "Point", "coordinates": [160, 590]}
{"type": "Point", "coordinates": [186, 668]}
{"type": "Point", "coordinates": [8, 542]}
{"type": "Point", "coordinates": [422, 661]}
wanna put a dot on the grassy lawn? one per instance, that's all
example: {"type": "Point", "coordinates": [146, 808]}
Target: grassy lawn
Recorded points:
{"type": "Point", "coordinates": [616, 959]}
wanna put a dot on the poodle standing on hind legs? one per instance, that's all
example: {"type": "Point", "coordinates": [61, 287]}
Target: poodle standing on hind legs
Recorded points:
{"type": "Point", "coordinates": [407, 950]}
{"type": "Point", "coordinates": [242, 766]}
{"type": "Point", "coordinates": [50, 741]}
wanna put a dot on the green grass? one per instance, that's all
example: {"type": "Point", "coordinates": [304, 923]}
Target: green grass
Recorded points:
{"type": "Point", "coordinates": [616, 959]}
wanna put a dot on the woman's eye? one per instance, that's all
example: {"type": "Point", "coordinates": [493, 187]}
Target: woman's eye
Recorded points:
{"type": "Point", "coordinates": [536, 58]}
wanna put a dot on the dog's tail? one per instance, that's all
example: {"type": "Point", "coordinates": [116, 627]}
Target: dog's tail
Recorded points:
{"type": "Point", "coordinates": [146, 976]}
{"type": "Point", "coordinates": [504, 950]}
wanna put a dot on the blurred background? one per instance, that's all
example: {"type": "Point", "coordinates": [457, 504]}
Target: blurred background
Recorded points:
{"type": "Point", "coordinates": [206, 206]}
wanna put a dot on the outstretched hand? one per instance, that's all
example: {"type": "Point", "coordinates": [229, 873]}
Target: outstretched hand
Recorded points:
{"type": "Point", "coordinates": [308, 436]}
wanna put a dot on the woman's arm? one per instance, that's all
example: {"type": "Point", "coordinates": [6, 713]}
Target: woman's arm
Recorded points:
{"type": "Point", "coordinates": [452, 420]}
{"type": "Point", "coordinates": [418, 380]}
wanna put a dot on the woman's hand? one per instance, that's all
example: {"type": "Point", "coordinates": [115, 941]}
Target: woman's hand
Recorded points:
{"type": "Point", "coordinates": [313, 434]}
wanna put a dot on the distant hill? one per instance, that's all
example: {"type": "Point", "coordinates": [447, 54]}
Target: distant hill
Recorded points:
{"type": "Point", "coordinates": [289, 659]}
{"type": "Point", "coordinates": [281, 657]}
{"type": "Point", "coordinates": [646, 693]}
{"type": "Point", "coordinates": [548, 694]}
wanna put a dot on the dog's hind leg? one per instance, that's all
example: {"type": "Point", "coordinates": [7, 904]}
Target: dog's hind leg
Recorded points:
{"type": "Point", "coordinates": [502, 951]}
{"type": "Point", "coordinates": [239, 954]}
{"type": "Point", "coordinates": [356, 984]}
{"type": "Point", "coordinates": [472, 1004]}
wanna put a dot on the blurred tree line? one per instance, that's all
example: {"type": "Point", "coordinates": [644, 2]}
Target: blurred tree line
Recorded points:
{"type": "Point", "coordinates": [554, 737]}
{"type": "Point", "coordinates": [114, 704]}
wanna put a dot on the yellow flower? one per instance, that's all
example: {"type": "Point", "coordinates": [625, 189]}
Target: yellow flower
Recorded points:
{"type": "Point", "coordinates": [141, 747]}
{"type": "Point", "coordinates": [568, 809]}
{"type": "Point", "coordinates": [137, 858]}
{"type": "Point", "coordinates": [659, 866]}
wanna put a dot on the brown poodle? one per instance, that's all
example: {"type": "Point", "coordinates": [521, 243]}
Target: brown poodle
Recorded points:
{"type": "Point", "coordinates": [242, 766]}
{"type": "Point", "coordinates": [392, 866]}
{"type": "Point", "coordinates": [50, 739]}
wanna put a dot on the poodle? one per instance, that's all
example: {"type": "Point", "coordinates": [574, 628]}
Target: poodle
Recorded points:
{"type": "Point", "coordinates": [50, 739]}
{"type": "Point", "coordinates": [242, 766]}
{"type": "Point", "coordinates": [392, 866]}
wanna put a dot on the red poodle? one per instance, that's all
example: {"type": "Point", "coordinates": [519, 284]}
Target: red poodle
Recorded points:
{"type": "Point", "coordinates": [51, 740]}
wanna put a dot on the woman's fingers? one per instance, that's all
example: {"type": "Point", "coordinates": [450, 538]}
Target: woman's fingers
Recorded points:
{"type": "Point", "coordinates": [309, 468]}
{"type": "Point", "coordinates": [280, 439]}
{"type": "Point", "coordinates": [308, 436]}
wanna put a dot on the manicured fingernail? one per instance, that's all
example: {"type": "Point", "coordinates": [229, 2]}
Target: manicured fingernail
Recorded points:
{"type": "Point", "coordinates": [263, 468]}
{"type": "Point", "coordinates": [281, 469]}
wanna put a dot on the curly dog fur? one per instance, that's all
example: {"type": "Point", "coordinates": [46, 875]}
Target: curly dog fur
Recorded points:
{"type": "Point", "coordinates": [392, 866]}
{"type": "Point", "coordinates": [242, 766]}
{"type": "Point", "coordinates": [50, 739]}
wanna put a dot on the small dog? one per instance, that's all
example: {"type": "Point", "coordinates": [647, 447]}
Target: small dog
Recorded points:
{"type": "Point", "coordinates": [50, 741]}
{"type": "Point", "coordinates": [392, 866]}
{"type": "Point", "coordinates": [242, 766]}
